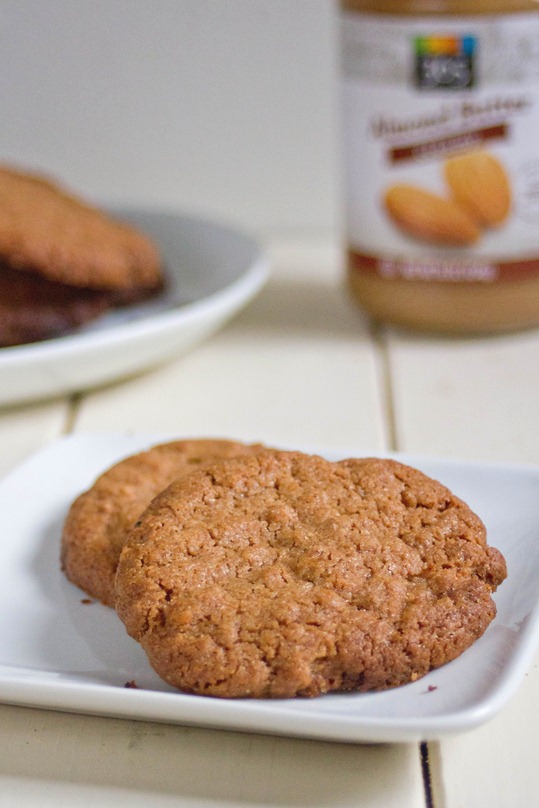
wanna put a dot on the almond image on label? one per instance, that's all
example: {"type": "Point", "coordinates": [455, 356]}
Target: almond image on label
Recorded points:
{"type": "Point", "coordinates": [480, 184]}
{"type": "Point", "coordinates": [430, 217]}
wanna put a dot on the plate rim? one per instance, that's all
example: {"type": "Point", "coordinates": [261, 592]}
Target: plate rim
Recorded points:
{"type": "Point", "coordinates": [256, 273]}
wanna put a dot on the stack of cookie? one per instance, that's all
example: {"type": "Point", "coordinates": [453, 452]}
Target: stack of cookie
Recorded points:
{"type": "Point", "coordinates": [64, 262]}
{"type": "Point", "coordinates": [245, 571]}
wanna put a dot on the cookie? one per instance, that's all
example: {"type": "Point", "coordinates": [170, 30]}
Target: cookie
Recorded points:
{"type": "Point", "coordinates": [100, 518]}
{"type": "Point", "coordinates": [47, 230]}
{"type": "Point", "coordinates": [284, 574]}
{"type": "Point", "coordinates": [33, 308]}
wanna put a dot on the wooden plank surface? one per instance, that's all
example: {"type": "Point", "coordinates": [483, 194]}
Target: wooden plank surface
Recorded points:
{"type": "Point", "coordinates": [476, 399]}
{"type": "Point", "coordinates": [300, 367]}
{"type": "Point", "coordinates": [57, 759]}
{"type": "Point", "coordinates": [297, 368]}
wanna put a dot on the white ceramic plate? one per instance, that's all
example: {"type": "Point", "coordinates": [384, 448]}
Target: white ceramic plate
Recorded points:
{"type": "Point", "coordinates": [59, 653]}
{"type": "Point", "coordinates": [212, 271]}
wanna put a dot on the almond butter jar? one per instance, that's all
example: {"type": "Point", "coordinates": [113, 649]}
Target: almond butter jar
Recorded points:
{"type": "Point", "coordinates": [441, 161]}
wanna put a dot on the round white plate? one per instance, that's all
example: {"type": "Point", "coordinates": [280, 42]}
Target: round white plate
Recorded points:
{"type": "Point", "coordinates": [212, 272]}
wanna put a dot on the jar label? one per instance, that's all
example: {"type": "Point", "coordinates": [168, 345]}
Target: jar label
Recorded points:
{"type": "Point", "coordinates": [441, 126]}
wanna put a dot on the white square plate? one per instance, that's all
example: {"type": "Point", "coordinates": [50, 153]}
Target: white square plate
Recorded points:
{"type": "Point", "coordinates": [59, 653]}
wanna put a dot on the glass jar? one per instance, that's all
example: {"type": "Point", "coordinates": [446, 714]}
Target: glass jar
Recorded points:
{"type": "Point", "coordinates": [441, 161]}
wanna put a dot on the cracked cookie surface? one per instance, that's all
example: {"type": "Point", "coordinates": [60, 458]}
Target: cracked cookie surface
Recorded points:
{"type": "Point", "coordinates": [284, 574]}
{"type": "Point", "coordinates": [100, 519]}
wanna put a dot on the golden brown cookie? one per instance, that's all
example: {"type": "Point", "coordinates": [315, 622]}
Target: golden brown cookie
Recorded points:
{"type": "Point", "coordinates": [100, 519]}
{"type": "Point", "coordinates": [284, 574]}
{"type": "Point", "coordinates": [45, 229]}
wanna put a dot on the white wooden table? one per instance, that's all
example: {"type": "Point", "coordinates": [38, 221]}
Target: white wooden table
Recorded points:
{"type": "Point", "coordinates": [300, 366]}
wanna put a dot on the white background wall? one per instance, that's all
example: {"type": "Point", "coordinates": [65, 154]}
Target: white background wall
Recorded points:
{"type": "Point", "coordinates": [226, 108]}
